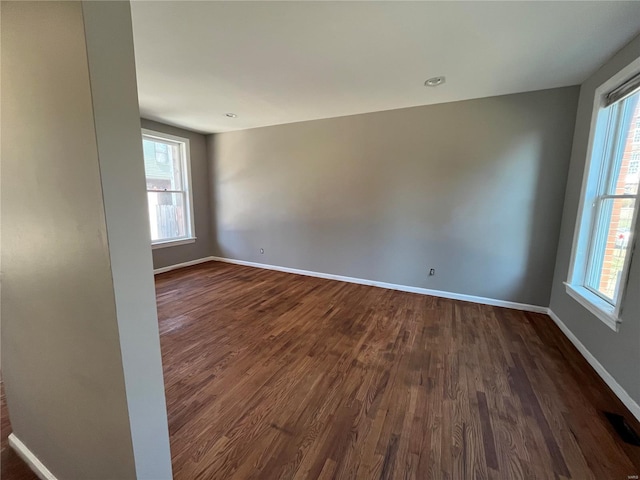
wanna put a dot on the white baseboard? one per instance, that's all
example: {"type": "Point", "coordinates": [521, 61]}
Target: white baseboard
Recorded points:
{"type": "Point", "coordinates": [390, 286]}
{"type": "Point", "coordinates": [620, 392]}
{"type": "Point", "coordinates": [182, 265]}
{"type": "Point", "coordinates": [27, 455]}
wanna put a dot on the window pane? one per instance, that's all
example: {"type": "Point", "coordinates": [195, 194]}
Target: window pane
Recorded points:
{"type": "Point", "coordinates": [162, 164]}
{"type": "Point", "coordinates": [625, 176]}
{"type": "Point", "coordinates": [610, 245]}
{"type": "Point", "coordinates": [168, 216]}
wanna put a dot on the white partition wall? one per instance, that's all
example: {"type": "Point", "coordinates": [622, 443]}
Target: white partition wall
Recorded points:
{"type": "Point", "coordinates": [81, 355]}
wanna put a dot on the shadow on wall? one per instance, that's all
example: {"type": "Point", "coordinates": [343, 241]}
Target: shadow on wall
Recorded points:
{"type": "Point", "coordinates": [473, 189]}
{"type": "Point", "coordinates": [213, 195]}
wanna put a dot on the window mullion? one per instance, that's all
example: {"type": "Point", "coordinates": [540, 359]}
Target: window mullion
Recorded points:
{"type": "Point", "coordinates": [630, 196]}
{"type": "Point", "coordinates": [598, 242]}
{"type": "Point", "coordinates": [612, 158]}
{"type": "Point", "coordinates": [617, 150]}
{"type": "Point", "coordinates": [187, 212]}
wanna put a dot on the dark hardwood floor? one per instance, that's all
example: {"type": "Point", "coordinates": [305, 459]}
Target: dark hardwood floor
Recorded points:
{"type": "Point", "coordinates": [12, 467]}
{"type": "Point", "coordinates": [274, 375]}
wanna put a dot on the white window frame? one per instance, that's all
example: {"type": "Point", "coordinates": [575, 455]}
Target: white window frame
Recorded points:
{"type": "Point", "coordinates": [608, 313]}
{"type": "Point", "coordinates": [185, 152]}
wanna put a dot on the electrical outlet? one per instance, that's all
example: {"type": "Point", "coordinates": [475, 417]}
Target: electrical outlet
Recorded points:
{"type": "Point", "coordinates": [432, 272]}
{"type": "Point", "coordinates": [262, 250]}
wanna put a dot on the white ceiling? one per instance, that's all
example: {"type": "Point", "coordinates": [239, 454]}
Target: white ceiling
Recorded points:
{"type": "Point", "coordinates": [282, 62]}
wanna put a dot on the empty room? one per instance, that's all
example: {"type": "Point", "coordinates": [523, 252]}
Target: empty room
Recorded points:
{"type": "Point", "coordinates": [320, 240]}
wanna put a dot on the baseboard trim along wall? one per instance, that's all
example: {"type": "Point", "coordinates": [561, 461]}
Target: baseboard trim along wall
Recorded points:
{"type": "Point", "coordinates": [620, 392]}
{"type": "Point", "coordinates": [27, 455]}
{"type": "Point", "coordinates": [391, 286]}
{"type": "Point", "coordinates": [182, 265]}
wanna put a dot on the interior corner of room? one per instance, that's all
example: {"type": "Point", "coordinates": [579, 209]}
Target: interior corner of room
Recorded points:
{"type": "Point", "coordinates": [357, 255]}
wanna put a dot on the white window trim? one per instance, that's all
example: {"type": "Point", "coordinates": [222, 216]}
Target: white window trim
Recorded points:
{"type": "Point", "coordinates": [188, 183]}
{"type": "Point", "coordinates": [610, 315]}
{"type": "Point", "coordinates": [172, 243]}
{"type": "Point", "coordinates": [596, 305]}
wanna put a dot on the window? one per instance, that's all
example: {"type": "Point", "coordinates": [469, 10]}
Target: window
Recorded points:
{"type": "Point", "coordinates": [167, 169]}
{"type": "Point", "coordinates": [604, 234]}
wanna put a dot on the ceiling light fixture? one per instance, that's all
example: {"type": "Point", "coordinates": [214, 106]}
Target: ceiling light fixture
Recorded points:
{"type": "Point", "coordinates": [434, 81]}
{"type": "Point", "coordinates": [230, 115]}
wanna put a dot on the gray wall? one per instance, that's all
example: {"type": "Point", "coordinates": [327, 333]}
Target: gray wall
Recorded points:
{"type": "Point", "coordinates": [473, 189]}
{"type": "Point", "coordinates": [77, 338]}
{"type": "Point", "coordinates": [203, 246]}
{"type": "Point", "coordinates": [619, 352]}
{"type": "Point", "coordinates": [109, 39]}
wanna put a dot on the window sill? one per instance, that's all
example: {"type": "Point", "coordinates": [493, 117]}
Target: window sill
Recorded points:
{"type": "Point", "coordinates": [597, 306]}
{"type": "Point", "coordinates": [173, 243]}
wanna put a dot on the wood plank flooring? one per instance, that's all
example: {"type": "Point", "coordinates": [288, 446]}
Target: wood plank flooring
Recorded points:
{"type": "Point", "coordinates": [271, 375]}
{"type": "Point", "coordinates": [12, 467]}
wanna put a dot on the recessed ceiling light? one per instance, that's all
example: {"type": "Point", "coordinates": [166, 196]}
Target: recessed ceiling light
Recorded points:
{"type": "Point", "coordinates": [230, 115]}
{"type": "Point", "coordinates": [434, 81]}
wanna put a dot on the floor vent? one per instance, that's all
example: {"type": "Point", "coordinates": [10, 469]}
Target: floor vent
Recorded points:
{"type": "Point", "coordinates": [624, 430]}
